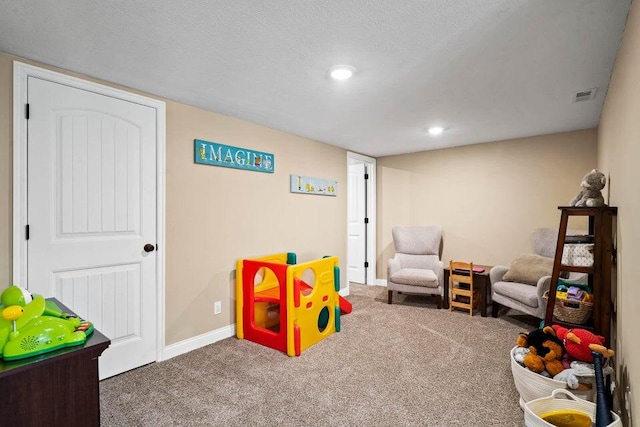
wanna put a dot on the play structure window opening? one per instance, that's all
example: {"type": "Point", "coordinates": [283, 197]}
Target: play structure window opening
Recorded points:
{"type": "Point", "coordinates": [266, 312]}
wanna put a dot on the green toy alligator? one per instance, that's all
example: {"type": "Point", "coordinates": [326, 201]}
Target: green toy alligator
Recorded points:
{"type": "Point", "coordinates": [30, 325]}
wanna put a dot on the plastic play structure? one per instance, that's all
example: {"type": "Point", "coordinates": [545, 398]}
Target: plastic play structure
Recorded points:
{"type": "Point", "coordinates": [288, 306]}
{"type": "Point", "coordinates": [31, 325]}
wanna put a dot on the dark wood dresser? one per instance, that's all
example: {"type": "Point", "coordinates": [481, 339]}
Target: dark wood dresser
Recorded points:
{"type": "Point", "coordinates": [54, 389]}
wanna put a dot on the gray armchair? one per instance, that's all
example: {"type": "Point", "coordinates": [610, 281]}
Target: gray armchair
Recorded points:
{"type": "Point", "coordinates": [527, 297]}
{"type": "Point", "coordinates": [416, 267]}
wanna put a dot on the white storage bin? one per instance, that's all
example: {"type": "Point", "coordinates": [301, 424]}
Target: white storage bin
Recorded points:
{"type": "Point", "coordinates": [560, 399]}
{"type": "Point", "coordinates": [533, 386]}
{"type": "Point", "coordinates": [578, 254]}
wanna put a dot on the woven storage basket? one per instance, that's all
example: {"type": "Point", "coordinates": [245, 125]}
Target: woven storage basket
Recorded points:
{"type": "Point", "coordinates": [533, 386]}
{"type": "Point", "coordinates": [570, 311]}
{"type": "Point", "coordinates": [558, 400]}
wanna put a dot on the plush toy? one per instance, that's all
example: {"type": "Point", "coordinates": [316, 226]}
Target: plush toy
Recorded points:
{"type": "Point", "coordinates": [568, 376]}
{"type": "Point", "coordinates": [519, 353]}
{"type": "Point", "coordinates": [545, 351]}
{"type": "Point", "coordinates": [579, 343]}
{"type": "Point", "coordinates": [566, 360]}
{"type": "Point", "coordinates": [580, 375]}
{"type": "Point", "coordinates": [590, 194]}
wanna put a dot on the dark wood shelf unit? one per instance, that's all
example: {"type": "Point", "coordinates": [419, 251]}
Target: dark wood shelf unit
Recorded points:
{"type": "Point", "coordinates": [59, 388]}
{"type": "Point", "coordinates": [601, 235]}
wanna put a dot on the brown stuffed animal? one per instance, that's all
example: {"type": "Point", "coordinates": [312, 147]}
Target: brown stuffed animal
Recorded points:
{"type": "Point", "coordinates": [545, 350]}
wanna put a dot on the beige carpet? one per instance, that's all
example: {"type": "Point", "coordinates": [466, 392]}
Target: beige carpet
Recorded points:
{"type": "Point", "coordinates": [402, 364]}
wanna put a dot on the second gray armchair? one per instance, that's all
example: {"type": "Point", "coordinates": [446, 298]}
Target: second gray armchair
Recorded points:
{"type": "Point", "coordinates": [522, 285]}
{"type": "Point", "coordinates": [416, 267]}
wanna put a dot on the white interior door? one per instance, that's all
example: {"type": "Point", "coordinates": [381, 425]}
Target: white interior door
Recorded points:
{"type": "Point", "coordinates": [356, 213]}
{"type": "Point", "coordinates": [91, 209]}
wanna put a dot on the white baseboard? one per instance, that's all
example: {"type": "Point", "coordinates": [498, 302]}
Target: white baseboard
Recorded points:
{"type": "Point", "coordinates": [196, 342]}
{"type": "Point", "coordinates": [381, 282]}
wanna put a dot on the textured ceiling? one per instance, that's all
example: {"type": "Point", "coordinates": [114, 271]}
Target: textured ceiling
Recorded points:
{"type": "Point", "coordinates": [485, 70]}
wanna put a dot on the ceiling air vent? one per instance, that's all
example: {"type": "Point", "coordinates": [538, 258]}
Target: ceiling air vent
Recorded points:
{"type": "Point", "coordinates": [585, 95]}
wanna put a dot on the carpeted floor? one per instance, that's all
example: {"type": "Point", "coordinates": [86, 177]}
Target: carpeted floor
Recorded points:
{"type": "Point", "coordinates": [402, 364]}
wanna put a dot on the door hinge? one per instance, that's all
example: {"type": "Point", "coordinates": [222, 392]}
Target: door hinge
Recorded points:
{"type": "Point", "coordinates": [366, 220]}
{"type": "Point", "coordinates": [27, 111]}
{"type": "Point", "coordinates": [26, 232]}
{"type": "Point", "coordinates": [366, 264]}
{"type": "Point", "coordinates": [366, 176]}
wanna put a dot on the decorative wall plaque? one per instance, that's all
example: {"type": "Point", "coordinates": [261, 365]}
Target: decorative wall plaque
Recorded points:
{"type": "Point", "coordinates": [309, 185]}
{"type": "Point", "coordinates": [212, 153]}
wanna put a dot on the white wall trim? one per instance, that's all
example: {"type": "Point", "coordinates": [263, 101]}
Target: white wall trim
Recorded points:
{"type": "Point", "coordinates": [344, 292]}
{"type": "Point", "coordinates": [21, 73]}
{"type": "Point", "coordinates": [371, 213]}
{"type": "Point", "coordinates": [381, 282]}
{"type": "Point", "coordinates": [199, 341]}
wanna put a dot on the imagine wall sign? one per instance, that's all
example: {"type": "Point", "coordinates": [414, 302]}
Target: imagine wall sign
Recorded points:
{"type": "Point", "coordinates": [212, 153]}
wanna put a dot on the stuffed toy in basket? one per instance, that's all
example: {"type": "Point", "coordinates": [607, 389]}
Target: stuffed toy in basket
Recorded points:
{"type": "Point", "coordinates": [532, 386]}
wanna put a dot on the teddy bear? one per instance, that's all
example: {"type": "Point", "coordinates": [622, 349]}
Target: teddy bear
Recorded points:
{"type": "Point", "coordinates": [590, 194]}
{"type": "Point", "coordinates": [545, 351]}
{"type": "Point", "coordinates": [579, 343]}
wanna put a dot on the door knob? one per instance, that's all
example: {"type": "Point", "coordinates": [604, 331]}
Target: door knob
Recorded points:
{"type": "Point", "coordinates": [149, 247]}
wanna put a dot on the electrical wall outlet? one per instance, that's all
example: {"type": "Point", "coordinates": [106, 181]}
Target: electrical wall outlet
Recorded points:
{"type": "Point", "coordinates": [217, 307]}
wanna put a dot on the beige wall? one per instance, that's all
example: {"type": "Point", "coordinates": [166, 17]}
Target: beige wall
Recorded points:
{"type": "Point", "coordinates": [618, 156]}
{"type": "Point", "coordinates": [487, 197]}
{"type": "Point", "coordinates": [215, 215]}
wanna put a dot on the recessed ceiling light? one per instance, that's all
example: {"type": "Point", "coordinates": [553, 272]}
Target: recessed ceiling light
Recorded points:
{"type": "Point", "coordinates": [341, 72]}
{"type": "Point", "coordinates": [436, 130]}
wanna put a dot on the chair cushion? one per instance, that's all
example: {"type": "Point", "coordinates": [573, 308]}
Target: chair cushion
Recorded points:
{"type": "Point", "coordinates": [520, 292]}
{"type": "Point", "coordinates": [415, 277]}
{"type": "Point", "coordinates": [529, 268]}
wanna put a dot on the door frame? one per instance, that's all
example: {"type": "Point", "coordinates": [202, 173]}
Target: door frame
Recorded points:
{"type": "Point", "coordinates": [21, 73]}
{"type": "Point", "coordinates": [370, 229]}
